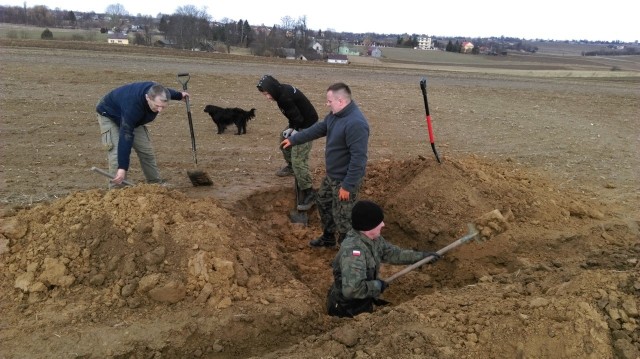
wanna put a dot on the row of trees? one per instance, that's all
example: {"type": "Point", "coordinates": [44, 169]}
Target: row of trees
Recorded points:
{"type": "Point", "coordinates": [188, 27]}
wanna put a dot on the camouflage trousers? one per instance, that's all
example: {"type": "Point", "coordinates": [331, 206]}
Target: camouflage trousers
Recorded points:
{"type": "Point", "coordinates": [298, 157]}
{"type": "Point", "coordinates": [334, 213]}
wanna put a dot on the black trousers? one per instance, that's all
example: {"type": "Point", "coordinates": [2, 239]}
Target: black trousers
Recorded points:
{"type": "Point", "coordinates": [337, 307]}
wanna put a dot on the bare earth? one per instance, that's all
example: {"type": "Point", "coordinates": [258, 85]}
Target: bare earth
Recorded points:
{"type": "Point", "coordinates": [220, 272]}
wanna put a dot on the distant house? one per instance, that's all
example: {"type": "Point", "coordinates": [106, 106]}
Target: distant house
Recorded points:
{"type": "Point", "coordinates": [376, 52]}
{"type": "Point", "coordinates": [424, 43]}
{"type": "Point", "coordinates": [118, 39]}
{"type": "Point", "coordinates": [317, 47]}
{"type": "Point", "coordinates": [338, 59]}
{"type": "Point", "coordinates": [164, 43]}
{"type": "Point", "coordinates": [345, 50]}
{"type": "Point", "coordinates": [288, 52]}
{"type": "Point", "coordinates": [467, 47]}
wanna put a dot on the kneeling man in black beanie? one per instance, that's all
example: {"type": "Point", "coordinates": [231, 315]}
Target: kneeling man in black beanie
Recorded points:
{"type": "Point", "coordinates": [356, 287]}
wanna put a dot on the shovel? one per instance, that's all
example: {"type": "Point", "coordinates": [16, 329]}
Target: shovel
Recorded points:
{"type": "Point", "coordinates": [298, 216]}
{"type": "Point", "coordinates": [423, 87]}
{"type": "Point", "coordinates": [197, 177]}
{"type": "Point", "coordinates": [472, 233]}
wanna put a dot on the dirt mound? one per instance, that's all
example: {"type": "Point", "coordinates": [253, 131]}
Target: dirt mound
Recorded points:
{"type": "Point", "coordinates": [557, 283]}
{"type": "Point", "coordinates": [152, 271]}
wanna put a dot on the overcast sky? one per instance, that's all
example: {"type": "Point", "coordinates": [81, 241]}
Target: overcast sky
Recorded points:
{"type": "Point", "coordinates": [543, 19]}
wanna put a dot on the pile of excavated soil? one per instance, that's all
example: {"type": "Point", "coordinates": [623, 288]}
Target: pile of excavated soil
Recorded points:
{"type": "Point", "coordinates": [148, 271]}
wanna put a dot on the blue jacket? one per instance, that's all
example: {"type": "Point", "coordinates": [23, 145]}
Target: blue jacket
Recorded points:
{"type": "Point", "coordinates": [347, 133]}
{"type": "Point", "coordinates": [128, 108]}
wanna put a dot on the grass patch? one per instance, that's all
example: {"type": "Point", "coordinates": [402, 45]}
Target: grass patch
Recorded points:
{"type": "Point", "coordinates": [12, 31]}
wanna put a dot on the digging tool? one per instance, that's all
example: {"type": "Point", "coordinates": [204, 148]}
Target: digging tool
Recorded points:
{"type": "Point", "coordinates": [109, 175]}
{"type": "Point", "coordinates": [197, 177]}
{"type": "Point", "coordinates": [473, 233]}
{"type": "Point", "coordinates": [423, 87]}
{"type": "Point", "coordinates": [295, 215]}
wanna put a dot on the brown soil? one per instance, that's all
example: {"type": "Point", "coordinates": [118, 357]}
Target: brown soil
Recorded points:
{"type": "Point", "coordinates": [220, 272]}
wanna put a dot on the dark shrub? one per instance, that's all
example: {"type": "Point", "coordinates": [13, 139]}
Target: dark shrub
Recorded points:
{"type": "Point", "coordinates": [46, 34]}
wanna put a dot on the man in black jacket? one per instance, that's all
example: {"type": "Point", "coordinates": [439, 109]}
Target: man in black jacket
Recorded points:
{"type": "Point", "coordinates": [301, 114]}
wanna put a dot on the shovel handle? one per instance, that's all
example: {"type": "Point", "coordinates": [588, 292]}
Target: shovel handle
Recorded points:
{"type": "Point", "coordinates": [193, 136]}
{"type": "Point", "coordinates": [183, 78]}
{"type": "Point", "coordinates": [423, 87]}
{"type": "Point", "coordinates": [473, 232]}
{"type": "Point", "coordinates": [109, 175]}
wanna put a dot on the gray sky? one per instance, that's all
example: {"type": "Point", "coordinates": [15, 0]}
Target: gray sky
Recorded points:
{"type": "Point", "coordinates": [541, 19]}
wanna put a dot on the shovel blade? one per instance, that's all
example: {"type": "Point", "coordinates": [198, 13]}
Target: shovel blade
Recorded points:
{"type": "Point", "coordinates": [199, 178]}
{"type": "Point", "coordinates": [299, 217]}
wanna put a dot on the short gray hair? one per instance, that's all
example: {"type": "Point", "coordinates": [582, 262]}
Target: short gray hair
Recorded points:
{"type": "Point", "coordinates": [158, 90]}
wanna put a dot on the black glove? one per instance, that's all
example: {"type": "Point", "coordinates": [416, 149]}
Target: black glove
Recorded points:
{"type": "Point", "coordinates": [383, 285]}
{"type": "Point", "coordinates": [435, 255]}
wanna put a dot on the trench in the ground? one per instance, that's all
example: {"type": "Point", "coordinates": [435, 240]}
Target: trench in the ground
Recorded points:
{"type": "Point", "coordinates": [267, 211]}
{"type": "Point", "coordinates": [312, 266]}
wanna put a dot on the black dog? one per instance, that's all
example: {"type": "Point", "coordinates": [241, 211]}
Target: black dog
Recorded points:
{"type": "Point", "coordinates": [223, 117]}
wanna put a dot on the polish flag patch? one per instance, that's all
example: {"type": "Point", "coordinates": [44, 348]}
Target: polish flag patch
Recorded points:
{"type": "Point", "coordinates": [356, 253]}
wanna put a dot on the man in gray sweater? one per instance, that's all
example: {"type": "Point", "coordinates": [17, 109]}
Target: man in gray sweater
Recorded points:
{"type": "Point", "coordinates": [347, 139]}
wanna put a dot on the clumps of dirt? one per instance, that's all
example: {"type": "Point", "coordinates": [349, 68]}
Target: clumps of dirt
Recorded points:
{"type": "Point", "coordinates": [125, 247]}
{"type": "Point", "coordinates": [95, 256]}
{"type": "Point", "coordinates": [160, 273]}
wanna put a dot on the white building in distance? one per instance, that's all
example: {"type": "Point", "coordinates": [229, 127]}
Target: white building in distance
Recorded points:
{"type": "Point", "coordinates": [424, 43]}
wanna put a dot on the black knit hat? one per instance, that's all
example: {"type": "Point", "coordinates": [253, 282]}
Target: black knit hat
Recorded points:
{"type": "Point", "coordinates": [366, 216]}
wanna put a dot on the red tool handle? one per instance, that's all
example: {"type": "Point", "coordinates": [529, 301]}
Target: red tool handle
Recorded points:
{"type": "Point", "coordinates": [423, 87]}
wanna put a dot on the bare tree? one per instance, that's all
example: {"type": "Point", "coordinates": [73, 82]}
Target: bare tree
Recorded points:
{"type": "Point", "coordinates": [146, 22]}
{"type": "Point", "coordinates": [288, 23]}
{"type": "Point", "coordinates": [248, 33]}
{"type": "Point", "coordinates": [41, 16]}
{"type": "Point", "coordinates": [116, 12]}
{"type": "Point", "coordinates": [302, 27]}
{"type": "Point", "coordinates": [189, 27]}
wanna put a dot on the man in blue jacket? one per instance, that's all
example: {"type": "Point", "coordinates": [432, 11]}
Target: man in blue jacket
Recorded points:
{"type": "Point", "coordinates": [347, 133]}
{"type": "Point", "coordinates": [122, 116]}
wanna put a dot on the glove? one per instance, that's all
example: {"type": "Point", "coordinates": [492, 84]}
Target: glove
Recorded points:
{"type": "Point", "coordinates": [286, 133]}
{"type": "Point", "coordinates": [435, 255]}
{"type": "Point", "coordinates": [383, 285]}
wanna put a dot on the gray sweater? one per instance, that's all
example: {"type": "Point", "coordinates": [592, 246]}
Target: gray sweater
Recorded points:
{"type": "Point", "coordinates": [347, 133]}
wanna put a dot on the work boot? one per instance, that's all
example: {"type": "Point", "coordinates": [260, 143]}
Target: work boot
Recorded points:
{"type": "Point", "coordinates": [285, 171]}
{"type": "Point", "coordinates": [325, 240]}
{"type": "Point", "coordinates": [308, 199]}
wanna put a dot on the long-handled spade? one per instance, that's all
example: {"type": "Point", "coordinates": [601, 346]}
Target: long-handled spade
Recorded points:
{"type": "Point", "coordinates": [197, 177]}
{"type": "Point", "coordinates": [473, 233]}
{"type": "Point", "coordinates": [423, 87]}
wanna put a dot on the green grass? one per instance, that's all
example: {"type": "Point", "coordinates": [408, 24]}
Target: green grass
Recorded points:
{"type": "Point", "coordinates": [12, 31]}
